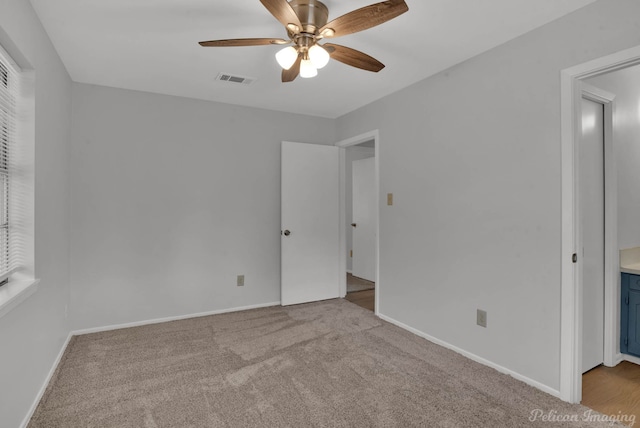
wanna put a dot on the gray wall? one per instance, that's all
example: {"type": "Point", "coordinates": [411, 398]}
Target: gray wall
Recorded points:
{"type": "Point", "coordinates": [172, 198]}
{"type": "Point", "coordinates": [32, 334]}
{"type": "Point", "coordinates": [472, 156]}
{"type": "Point", "coordinates": [625, 84]}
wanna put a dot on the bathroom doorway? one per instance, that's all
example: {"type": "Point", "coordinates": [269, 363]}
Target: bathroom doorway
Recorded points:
{"type": "Point", "coordinates": [359, 253]}
{"type": "Point", "coordinates": [609, 182]}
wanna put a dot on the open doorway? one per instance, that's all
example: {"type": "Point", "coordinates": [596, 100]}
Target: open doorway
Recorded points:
{"type": "Point", "coordinates": [610, 387]}
{"type": "Point", "coordinates": [572, 261]}
{"type": "Point", "coordinates": [359, 249]}
{"type": "Point", "coordinates": [600, 154]}
{"type": "Point", "coordinates": [361, 210]}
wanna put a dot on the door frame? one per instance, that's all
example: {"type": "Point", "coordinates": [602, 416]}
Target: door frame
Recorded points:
{"type": "Point", "coordinates": [358, 139]}
{"type": "Point", "coordinates": [571, 282]}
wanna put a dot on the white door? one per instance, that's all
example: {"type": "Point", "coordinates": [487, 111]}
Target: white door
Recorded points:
{"type": "Point", "coordinates": [310, 223]}
{"type": "Point", "coordinates": [592, 217]}
{"type": "Point", "coordinates": [364, 219]}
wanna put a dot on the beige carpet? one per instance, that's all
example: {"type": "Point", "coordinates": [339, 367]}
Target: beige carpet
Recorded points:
{"type": "Point", "coordinates": [327, 364]}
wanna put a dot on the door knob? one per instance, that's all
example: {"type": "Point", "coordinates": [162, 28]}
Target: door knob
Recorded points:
{"type": "Point", "coordinates": [287, 233]}
{"type": "Point", "coordinates": [353, 224]}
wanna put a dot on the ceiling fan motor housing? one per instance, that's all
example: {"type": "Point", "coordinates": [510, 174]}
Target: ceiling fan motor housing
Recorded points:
{"type": "Point", "coordinates": [313, 14]}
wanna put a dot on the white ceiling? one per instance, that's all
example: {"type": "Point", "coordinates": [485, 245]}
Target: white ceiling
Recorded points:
{"type": "Point", "coordinates": [151, 45]}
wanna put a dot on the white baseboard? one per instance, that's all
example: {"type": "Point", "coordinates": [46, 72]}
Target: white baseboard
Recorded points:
{"type": "Point", "coordinates": [474, 357]}
{"type": "Point", "coordinates": [617, 359]}
{"type": "Point", "coordinates": [630, 358]}
{"type": "Point", "coordinates": [620, 357]}
{"type": "Point", "coordinates": [174, 318]}
{"type": "Point", "coordinates": [33, 407]}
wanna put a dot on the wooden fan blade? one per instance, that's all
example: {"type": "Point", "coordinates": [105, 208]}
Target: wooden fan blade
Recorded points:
{"type": "Point", "coordinates": [364, 18]}
{"type": "Point", "coordinates": [291, 74]}
{"type": "Point", "coordinates": [244, 42]}
{"type": "Point", "coordinates": [353, 57]}
{"type": "Point", "coordinates": [283, 12]}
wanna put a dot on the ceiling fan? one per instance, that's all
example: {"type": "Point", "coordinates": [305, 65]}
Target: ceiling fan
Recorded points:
{"type": "Point", "coordinates": [306, 24]}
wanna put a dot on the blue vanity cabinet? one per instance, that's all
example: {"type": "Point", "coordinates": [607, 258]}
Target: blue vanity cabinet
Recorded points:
{"type": "Point", "coordinates": [630, 315]}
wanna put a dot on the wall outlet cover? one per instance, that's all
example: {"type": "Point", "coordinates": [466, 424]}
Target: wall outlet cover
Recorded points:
{"type": "Point", "coordinates": [482, 318]}
{"type": "Point", "coordinates": [240, 281]}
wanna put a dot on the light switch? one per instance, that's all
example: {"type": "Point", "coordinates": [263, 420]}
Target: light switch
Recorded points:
{"type": "Point", "coordinates": [389, 198]}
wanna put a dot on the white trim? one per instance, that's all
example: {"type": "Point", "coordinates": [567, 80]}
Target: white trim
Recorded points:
{"type": "Point", "coordinates": [362, 138]}
{"type": "Point", "coordinates": [15, 292]}
{"type": "Point", "coordinates": [474, 357]}
{"type": "Point", "coordinates": [597, 94]}
{"type": "Point", "coordinates": [571, 293]}
{"type": "Point", "coordinates": [173, 318]}
{"type": "Point", "coordinates": [569, 325]}
{"type": "Point", "coordinates": [630, 358]}
{"type": "Point", "coordinates": [44, 386]}
{"type": "Point", "coordinates": [617, 360]}
{"type": "Point", "coordinates": [358, 139]}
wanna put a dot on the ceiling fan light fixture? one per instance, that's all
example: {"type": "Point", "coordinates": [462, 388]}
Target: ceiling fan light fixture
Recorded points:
{"type": "Point", "coordinates": [327, 32]}
{"type": "Point", "coordinates": [307, 69]}
{"type": "Point", "coordinates": [287, 57]}
{"type": "Point", "coordinates": [318, 56]}
{"type": "Point", "coordinates": [293, 28]}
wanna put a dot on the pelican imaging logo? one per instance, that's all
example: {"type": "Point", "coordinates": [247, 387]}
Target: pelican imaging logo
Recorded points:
{"type": "Point", "coordinates": [551, 416]}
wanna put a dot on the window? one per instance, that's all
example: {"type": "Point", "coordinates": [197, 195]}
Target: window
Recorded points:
{"type": "Point", "coordinates": [8, 89]}
{"type": "Point", "coordinates": [17, 143]}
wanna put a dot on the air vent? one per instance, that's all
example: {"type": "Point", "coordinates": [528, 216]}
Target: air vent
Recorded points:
{"type": "Point", "coordinates": [243, 80]}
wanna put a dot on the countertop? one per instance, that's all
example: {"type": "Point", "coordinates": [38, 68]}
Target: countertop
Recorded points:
{"type": "Point", "coordinates": [630, 261]}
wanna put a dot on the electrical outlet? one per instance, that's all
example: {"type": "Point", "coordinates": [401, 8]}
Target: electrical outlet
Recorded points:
{"type": "Point", "coordinates": [240, 281]}
{"type": "Point", "coordinates": [482, 318]}
{"type": "Point", "coordinates": [389, 198]}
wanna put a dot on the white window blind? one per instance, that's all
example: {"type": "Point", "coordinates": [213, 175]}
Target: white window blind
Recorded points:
{"type": "Point", "coordinates": [9, 91]}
